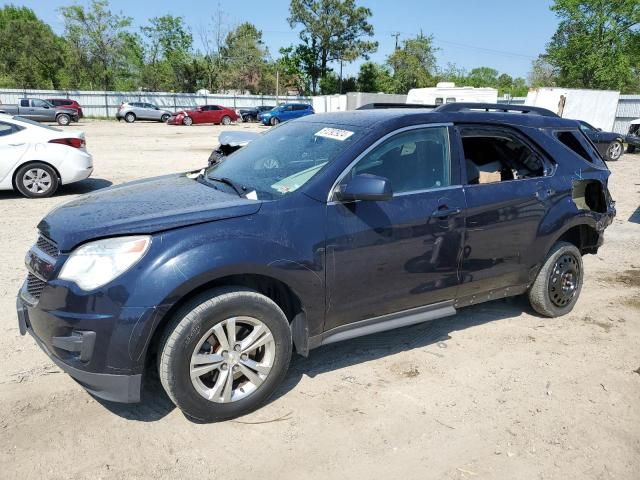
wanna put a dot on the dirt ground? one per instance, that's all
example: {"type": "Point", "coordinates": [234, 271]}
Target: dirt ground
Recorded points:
{"type": "Point", "coordinates": [495, 392]}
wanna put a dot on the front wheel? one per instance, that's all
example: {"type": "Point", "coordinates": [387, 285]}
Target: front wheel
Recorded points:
{"type": "Point", "coordinates": [275, 121]}
{"type": "Point", "coordinates": [36, 180]}
{"type": "Point", "coordinates": [557, 287]}
{"type": "Point", "coordinates": [164, 118]}
{"type": "Point", "coordinates": [225, 354]}
{"type": "Point", "coordinates": [187, 121]}
{"type": "Point", "coordinates": [631, 148]}
{"type": "Point", "coordinates": [614, 150]}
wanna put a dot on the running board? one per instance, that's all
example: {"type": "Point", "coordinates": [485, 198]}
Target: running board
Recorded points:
{"type": "Point", "coordinates": [388, 322]}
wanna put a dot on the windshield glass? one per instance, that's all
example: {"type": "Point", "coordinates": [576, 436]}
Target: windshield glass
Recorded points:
{"type": "Point", "coordinates": [285, 158]}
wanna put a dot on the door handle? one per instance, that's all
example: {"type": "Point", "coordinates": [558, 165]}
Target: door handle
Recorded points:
{"type": "Point", "coordinates": [444, 212]}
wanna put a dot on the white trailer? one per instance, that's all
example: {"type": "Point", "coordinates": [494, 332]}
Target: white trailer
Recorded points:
{"type": "Point", "coordinates": [447, 92]}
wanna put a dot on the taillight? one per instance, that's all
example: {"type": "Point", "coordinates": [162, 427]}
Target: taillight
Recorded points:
{"type": "Point", "coordinates": [71, 142]}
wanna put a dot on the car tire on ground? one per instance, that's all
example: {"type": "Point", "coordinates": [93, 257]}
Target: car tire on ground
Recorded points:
{"type": "Point", "coordinates": [631, 148]}
{"type": "Point", "coordinates": [614, 150]}
{"type": "Point", "coordinates": [164, 118]}
{"type": "Point", "coordinates": [224, 354]}
{"type": "Point", "coordinates": [226, 120]}
{"type": "Point", "coordinates": [187, 121]}
{"type": "Point", "coordinates": [63, 119]}
{"type": "Point", "coordinates": [274, 121]}
{"type": "Point", "coordinates": [130, 117]}
{"type": "Point", "coordinates": [36, 180]}
{"type": "Point", "coordinates": [557, 286]}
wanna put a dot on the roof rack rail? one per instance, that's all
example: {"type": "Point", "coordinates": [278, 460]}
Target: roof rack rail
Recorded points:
{"type": "Point", "coordinates": [379, 105]}
{"type": "Point", "coordinates": [499, 107]}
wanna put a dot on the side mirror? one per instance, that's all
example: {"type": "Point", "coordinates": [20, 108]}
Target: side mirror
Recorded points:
{"type": "Point", "coordinates": [365, 187]}
{"type": "Point", "coordinates": [599, 129]}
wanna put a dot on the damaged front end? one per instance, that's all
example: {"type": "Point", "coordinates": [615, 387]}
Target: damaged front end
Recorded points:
{"type": "Point", "coordinates": [229, 143]}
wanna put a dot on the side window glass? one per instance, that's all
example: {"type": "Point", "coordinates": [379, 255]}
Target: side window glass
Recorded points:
{"type": "Point", "coordinates": [40, 103]}
{"type": "Point", "coordinates": [6, 129]}
{"type": "Point", "coordinates": [24, 103]}
{"type": "Point", "coordinates": [413, 160]}
{"type": "Point", "coordinates": [439, 101]}
{"type": "Point", "coordinates": [572, 141]}
{"type": "Point", "coordinates": [497, 155]}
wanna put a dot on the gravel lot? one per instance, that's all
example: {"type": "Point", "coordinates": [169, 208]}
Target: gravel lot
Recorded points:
{"type": "Point", "coordinates": [494, 392]}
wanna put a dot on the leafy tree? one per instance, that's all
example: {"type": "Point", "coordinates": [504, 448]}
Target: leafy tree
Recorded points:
{"type": "Point", "coordinates": [245, 56]}
{"type": "Point", "coordinates": [543, 74]}
{"type": "Point", "coordinates": [294, 66]}
{"type": "Point", "coordinates": [31, 55]}
{"type": "Point", "coordinates": [413, 64]}
{"type": "Point", "coordinates": [593, 46]}
{"type": "Point", "coordinates": [453, 73]}
{"type": "Point", "coordinates": [483, 77]}
{"type": "Point", "coordinates": [96, 41]}
{"type": "Point", "coordinates": [374, 78]}
{"type": "Point", "coordinates": [332, 30]}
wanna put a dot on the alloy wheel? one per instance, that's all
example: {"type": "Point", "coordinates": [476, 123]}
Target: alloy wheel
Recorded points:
{"type": "Point", "coordinates": [37, 180]}
{"type": "Point", "coordinates": [615, 150]}
{"type": "Point", "coordinates": [232, 359]}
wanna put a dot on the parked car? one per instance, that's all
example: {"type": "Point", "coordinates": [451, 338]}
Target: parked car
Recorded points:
{"type": "Point", "coordinates": [36, 159]}
{"type": "Point", "coordinates": [251, 114]}
{"type": "Point", "coordinates": [229, 143]}
{"type": "Point", "coordinates": [204, 114]}
{"type": "Point", "coordinates": [67, 103]}
{"type": "Point", "coordinates": [40, 110]}
{"type": "Point", "coordinates": [132, 111]}
{"type": "Point", "coordinates": [323, 229]}
{"type": "Point", "coordinates": [284, 112]}
{"type": "Point", "coordinates": [633, 136]}
{"type": "Point", "coordinates": [609, 144]}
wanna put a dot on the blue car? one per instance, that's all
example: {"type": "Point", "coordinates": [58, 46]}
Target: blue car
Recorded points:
{"type": "Point", "coordinates": [327, 228]}
{"type": "Point", "coordinates": [284, 112]}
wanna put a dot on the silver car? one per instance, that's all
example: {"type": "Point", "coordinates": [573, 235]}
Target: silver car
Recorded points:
{"type": "Point", "coordinates": [132, 111]}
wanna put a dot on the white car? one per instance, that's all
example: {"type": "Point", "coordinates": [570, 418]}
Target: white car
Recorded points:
{"type": "Point", "coordinates": [36, 159]}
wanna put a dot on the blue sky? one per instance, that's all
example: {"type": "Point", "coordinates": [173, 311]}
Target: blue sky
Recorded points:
{"type": "Point", "coordinates": [503, 34]}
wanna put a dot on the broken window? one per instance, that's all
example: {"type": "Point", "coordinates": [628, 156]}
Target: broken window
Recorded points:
{"type": "Point", "coordinates": [580, 145]}
{"type": "Point", "coordinates": [497, 154]}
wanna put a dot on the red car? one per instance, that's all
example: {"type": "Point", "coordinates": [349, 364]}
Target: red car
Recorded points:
{"type": "Point", "coordinates": [66, 103]}
{"type": "Point", "coordinates": [204, 114]}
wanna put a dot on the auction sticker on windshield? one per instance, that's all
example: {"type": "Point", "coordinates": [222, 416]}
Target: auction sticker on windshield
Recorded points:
{"type": "Point", "coordinates": [334, 133]}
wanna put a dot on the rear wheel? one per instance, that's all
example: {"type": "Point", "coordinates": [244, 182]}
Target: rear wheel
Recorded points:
{"type": "Point", "coordinates": [614, 150]}
{"type": "Point", "coordinates": [225, 354]}
{"type": "Point", "coordinates": [226, 120]}
{"type": "Point", "coordinates": [130, 117]}
{"type": "Point", "coordinates": [188, 121]}
{"type": "Point", "coordinates": [275, 121]}
{"type": "Point", "coordinates": [557, 287]}
{"type": "Point", "coordinates": [164, 118]}
{"type": "Point", "coordinates": [36, 180]}
{"type": "Point", "coordinates": [63, 119]}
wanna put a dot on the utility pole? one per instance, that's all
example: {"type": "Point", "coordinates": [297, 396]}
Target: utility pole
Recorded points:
{"type": "Point", "coordinates": [277, 85]}
{"type": "Point", "coordinates": [396, 35]}
{"type": "Point", "coordinates": [340, 76]}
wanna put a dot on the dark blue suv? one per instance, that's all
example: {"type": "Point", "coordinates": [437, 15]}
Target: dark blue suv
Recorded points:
{"type": "Point", "coordinates": [323, 229]}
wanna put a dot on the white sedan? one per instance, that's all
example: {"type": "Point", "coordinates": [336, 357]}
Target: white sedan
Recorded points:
{"type": "Point", "coordinates": [36, 159]}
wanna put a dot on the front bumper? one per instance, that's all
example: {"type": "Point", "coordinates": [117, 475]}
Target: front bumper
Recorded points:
{"type": "Point", "coordinates": [632, 140]}
{"type": "Point", "coordinates": [108, 386]}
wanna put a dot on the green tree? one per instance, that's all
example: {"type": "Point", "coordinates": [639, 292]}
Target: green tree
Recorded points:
{"type": "Point", "coordinates": [543, 74]}
{"type": "Point", "coordinates": [374, 78]}
{"type": "Point", "coordinates": [97, 40]}
{"type": "Point", "coordinates": [413, 64]}
{"type": "Point", "coordinates": [332, 30]}
{"type": "Point", "coordinates": [245, 56]}
{"type": "Point", "coordinates": [483, 77]}
{"type": "Point", "coordinates": [31, 55]}
{"type": "Point", "coordinates": [295, 65]}
{"type": "Point", "coordinates": [593, 46]}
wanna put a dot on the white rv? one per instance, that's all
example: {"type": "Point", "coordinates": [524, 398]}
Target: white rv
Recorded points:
{"type": "Point", "coordinates": [447, 92]}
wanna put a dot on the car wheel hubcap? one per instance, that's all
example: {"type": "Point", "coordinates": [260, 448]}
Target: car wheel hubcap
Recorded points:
{"type": "Point", "coordinates": [37, 180]}
{"type": "Point", "coordinates": [232, 359]}
{"type": "Point", "coordinates": [614, 150]}
{"type": "Point", "coordinates": [564, 280]}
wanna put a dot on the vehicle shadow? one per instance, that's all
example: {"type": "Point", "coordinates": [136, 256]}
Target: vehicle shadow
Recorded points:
{"type": "Point", "coordinates": [156, 404]}
{"type": "Point", "coordinates": [85, 186]}
{"type": "Point", "coordinates": [635, 216]}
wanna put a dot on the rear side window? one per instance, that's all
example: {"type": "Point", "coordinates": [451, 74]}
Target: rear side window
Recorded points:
{"type": "Point", "coordinates": [8, 129]}
{"type": "Point", "coordinates": [300, 107]}
{"type": "Point", "coordinates": [576, 142]}
{"type": "Point", "coordinates": [24, 103]}
{"type": "Point", "coordinates": [497, 155]}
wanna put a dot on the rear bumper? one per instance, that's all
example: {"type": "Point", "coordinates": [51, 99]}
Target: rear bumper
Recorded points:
{"type": "Point", "coordinates": [112, 387]}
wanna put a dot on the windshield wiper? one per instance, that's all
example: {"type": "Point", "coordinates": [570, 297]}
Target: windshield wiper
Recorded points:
{"type": "Point", "coordinates": [239, 189]}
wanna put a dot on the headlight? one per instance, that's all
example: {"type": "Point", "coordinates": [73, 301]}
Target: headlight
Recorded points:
{"type": "Point", "coordinates": [97, 263]}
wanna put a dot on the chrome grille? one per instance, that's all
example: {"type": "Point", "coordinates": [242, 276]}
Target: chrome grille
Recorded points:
{"type": "Point", "coordinates": [34, 286]}
{"type": "Point", "coordinates": [47, 246]}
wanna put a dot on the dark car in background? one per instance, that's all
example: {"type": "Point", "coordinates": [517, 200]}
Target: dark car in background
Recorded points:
{"type": "Point", "coordinates": [251, 114]}
{"type": "Point", "coordinates": [323, 229]}
{"type": "Point", "coordinates": [67, 103]}
{"type": "Point", "coordinates": [633, 136]}
{"type": "Point", "coordinates": [132, 111]}
{"type": "Point", "coordinates": [284, 112]}
{"type": "Point", "coordinates": [216, 114]}
{"type": "Point", "coordinates": [609, 144]}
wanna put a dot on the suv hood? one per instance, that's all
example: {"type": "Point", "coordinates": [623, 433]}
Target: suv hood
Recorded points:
{"type": "Point", "coordinates": [145, 206]}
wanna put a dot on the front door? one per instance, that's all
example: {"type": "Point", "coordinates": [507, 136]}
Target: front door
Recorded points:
{"type": "Point", "coordinates": [388, 256]}
{"type": "Point", "coordinates": [13, 145]}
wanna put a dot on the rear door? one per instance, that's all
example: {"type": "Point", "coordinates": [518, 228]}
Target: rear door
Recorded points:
{"type": "Point", "coordinates": [507, 194]}
{"type": "Point", "coordinates": [388, 256]}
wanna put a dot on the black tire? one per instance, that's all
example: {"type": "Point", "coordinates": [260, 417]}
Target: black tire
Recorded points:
{"type": "Point", "coordinates": [226, 120]}
{"type": "Point", "coordinates": [554, 293]}
{"type": "Point", "coordinates": [192, 322]}
{"type": "Point", "coordinates": [614, 151]}
{"type": "Point", "coordinates": [274, 121]}
{"type": "Point", "coordinates": [21, 181]}
{"type": "Point", "coordinates": [631, 148]}
{"type": "Point", "coordinates": [164, 118]}
{"type": "Point", "coordinates": [63, 119]}
{"type": "Point", "coordinates": [187, 121]}
{"type": "Point", "coordinates": [130, 117]}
